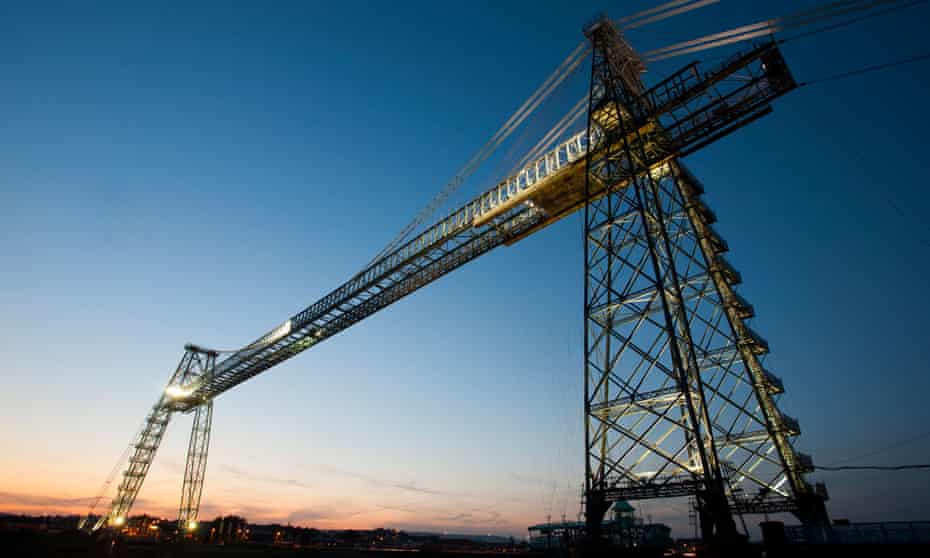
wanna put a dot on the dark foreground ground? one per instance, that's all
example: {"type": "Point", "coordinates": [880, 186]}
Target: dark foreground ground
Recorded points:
{"type": "Point", "coordinates": [15, 545]}
{"type": "Point", "coordinates": [27, 544]}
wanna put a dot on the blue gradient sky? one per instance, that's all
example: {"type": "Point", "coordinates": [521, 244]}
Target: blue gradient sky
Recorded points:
{"type": "Point", "coordinates": [174, 173]}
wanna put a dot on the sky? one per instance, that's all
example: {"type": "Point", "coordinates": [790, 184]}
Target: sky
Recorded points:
{"type": "Point", "coordinates": [198, 172]}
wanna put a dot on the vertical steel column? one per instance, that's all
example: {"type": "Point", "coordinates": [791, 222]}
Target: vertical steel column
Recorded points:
{"type": "Point", "coordinates": [196, 467]}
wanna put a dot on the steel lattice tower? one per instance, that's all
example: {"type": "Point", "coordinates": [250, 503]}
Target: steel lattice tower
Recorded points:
{"type": "Point", "coordinates": [195, 368]}
{"type": "Point", "coordinates": [677, 402]}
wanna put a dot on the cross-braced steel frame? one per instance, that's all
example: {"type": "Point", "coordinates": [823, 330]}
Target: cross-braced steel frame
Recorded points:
{"type": "Point", "coordinates": [195, 368]}
{"type": "Point", "coordinates": [196, 466]}
{"type": "Point", "coordinates": [677, 402]}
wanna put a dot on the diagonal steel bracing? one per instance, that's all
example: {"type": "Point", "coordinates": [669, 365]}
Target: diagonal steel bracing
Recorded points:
{"type": "Point", "coordinates": [195, 368]}
{"type": "Point", "coordinates": [676, 397]}
{"type": "Point", "coordinates": [196, 467]}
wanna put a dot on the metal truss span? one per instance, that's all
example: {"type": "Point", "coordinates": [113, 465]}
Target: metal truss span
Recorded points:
{"type": "Point", "coordinates": [697, 107]}
{"type": "Point", "coordinates": [677, 401]}
{"type": "Point", "coordinates": [630, 149]}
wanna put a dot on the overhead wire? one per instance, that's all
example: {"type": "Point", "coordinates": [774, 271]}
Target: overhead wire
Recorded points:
{"type": "Point", "coordinates": [110, 477]}
{"type": "Point", "coordinates": [867, 69]}
{"type": "Point", "coordinates": [831, 10]}
{"type": "Point", "coordinates": [885, 448]}
{"type": "Point", "coordinates": [849, 22]}
{"type": "Point", "coordinates": [106, 486]}
{"type": "Point", "coordinates": [875, 467]}
{"type": "Point", "coordinates": [919, 238]}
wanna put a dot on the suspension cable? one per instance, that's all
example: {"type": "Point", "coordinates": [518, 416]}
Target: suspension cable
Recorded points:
{"type": "Point", "coordinates": [111, 477]}
{"type": "Point", "coordinates": [665, 11]}
{"type": "Point", "coordinates": [647, 12]}
{"type": "Point", "coordinates": [570, 117]}
{"type": "Point", "coordinates": [715, 40]}
{"type": "Point", "coordinates": [527, 108]}
{"type": "Point", "coordinates": [771, 26]}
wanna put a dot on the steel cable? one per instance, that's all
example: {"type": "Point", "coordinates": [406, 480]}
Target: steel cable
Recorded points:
{"type": "Point", "coordinates": [527, 108]}
{"type": "Point", "coordinates": [670, 10]}
{"type": "Point", "coordinates": [875, 467]}
{"type": "Point", "coordinates": [867, 69]}
{"type": "Point", "coordinates": [771, 26]}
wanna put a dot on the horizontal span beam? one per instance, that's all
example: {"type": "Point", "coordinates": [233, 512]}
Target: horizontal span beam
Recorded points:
{"type": "Point", "coordinates": [507, 213]}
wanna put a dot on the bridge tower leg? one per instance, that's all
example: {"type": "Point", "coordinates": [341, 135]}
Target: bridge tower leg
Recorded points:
{"type": "Point", "coordinates": [196, 467]}
{"type": "Point", "coordinates": [630, 257]}
{"type": "Point", "coordinates": [140, 460]}
{"type": "Point", "coordinates": [677, 402]}
{"type": "Point", "coordinates": [193, 367]}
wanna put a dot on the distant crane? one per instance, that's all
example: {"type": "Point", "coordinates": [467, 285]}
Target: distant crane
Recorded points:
{"type": "Point", "coordinates": [677, 402]}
